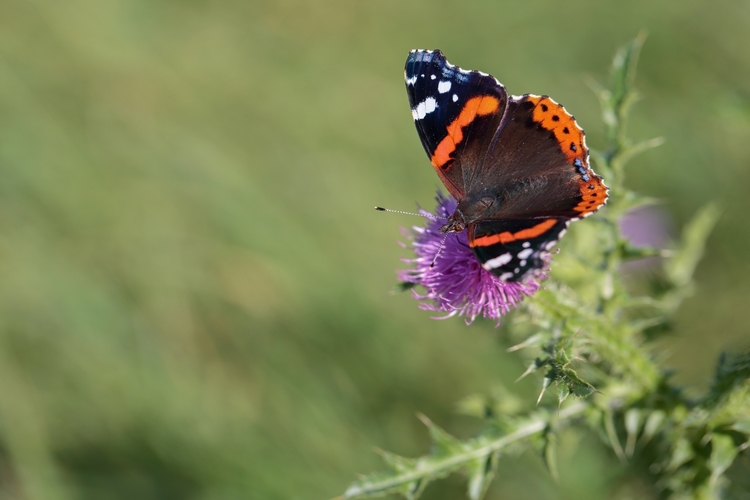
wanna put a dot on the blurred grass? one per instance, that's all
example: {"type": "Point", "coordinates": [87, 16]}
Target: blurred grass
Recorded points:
{"type": "Point", "coordinates": [193, 286]}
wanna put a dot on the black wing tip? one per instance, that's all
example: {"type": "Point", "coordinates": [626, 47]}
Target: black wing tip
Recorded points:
{"type": "Point", "coordinates": [424, 55]}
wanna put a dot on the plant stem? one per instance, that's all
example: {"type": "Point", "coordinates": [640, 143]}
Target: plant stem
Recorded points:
{"type": "Point", "coordinates": [438, 467]}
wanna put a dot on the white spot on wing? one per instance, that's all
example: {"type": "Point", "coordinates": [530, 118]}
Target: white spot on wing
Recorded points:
{"type": "Point", "coordinates": [412, 80]}
{"type": "Point", "coordinates": [524, 254]}
{"type": "Point", "coordinates": [444, 87]}
{"type": "Point", "coordinates": [455, 98]}
{"type": "Point", "coordinates": [432, 77]}
{"type": "Point", "coordinates": [425, 107]}
{"type": "Point", "coordinates": [498, 261]}
{"type": "Point", "coordinates": [506, 276]}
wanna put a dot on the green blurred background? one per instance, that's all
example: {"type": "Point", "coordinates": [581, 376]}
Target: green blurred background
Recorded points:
{"type": "Point", "coordinates": [194, 287]}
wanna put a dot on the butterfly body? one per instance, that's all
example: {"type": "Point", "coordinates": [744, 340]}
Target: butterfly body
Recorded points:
{"type": "Point", "coordinates": [517, 165]}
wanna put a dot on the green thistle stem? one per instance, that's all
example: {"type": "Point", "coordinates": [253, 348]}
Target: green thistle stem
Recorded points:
{"type": "Point", "coordinates": [478, 449]}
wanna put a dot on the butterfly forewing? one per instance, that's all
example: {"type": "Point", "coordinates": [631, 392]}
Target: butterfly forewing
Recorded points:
{"type": "Point", "coordinates": [456, 113]}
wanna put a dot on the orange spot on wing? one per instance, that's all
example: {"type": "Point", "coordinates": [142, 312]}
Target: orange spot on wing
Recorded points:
{"type": "Point", "coordinates": [477, 106]}
{"type": "Point", "coordinates": [507, 236]}
{"type": "Point", "coordinates": [591, 199]}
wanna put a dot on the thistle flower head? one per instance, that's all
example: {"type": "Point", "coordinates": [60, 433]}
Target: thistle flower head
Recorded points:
{"type": "Point", "coordinates": [456, 283]}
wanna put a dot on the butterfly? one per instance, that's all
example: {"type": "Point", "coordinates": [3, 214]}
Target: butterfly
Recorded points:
{"type": "Point", "coordinates": [518, 166]}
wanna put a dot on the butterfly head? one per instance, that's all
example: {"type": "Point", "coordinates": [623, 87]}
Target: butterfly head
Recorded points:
{"type": "Point", "coordinates": [456, 223]}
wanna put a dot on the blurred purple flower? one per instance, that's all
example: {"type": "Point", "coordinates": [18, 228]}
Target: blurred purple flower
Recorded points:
{"type": "Point", "coordinates": [457, 284]}
{"type": "Point", "coordinates": [646, 226]}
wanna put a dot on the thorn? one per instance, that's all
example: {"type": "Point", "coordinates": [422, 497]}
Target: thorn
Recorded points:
{"type": "Point", "coordinates": [546, 384]}
{"type": "Point", "coordinates": [529, 341]}
{"type": "Point", "coordinates": [539, 399]}
{"type": "Point", "coordinates": [532, 367]}
{"type": "Point", "coordinates": [425, 419]}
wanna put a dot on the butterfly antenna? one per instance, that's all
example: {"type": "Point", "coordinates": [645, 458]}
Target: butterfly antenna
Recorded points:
{"type": "Point", "coordinates": [428, 216]}
{"type": "Point", "coordinates": [440, 248]}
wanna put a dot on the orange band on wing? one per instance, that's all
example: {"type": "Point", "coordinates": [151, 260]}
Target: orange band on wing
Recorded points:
{"type": "Point", "coordinates": [507, 236]}
{"type": "Point", "coordinates": [482, 105]}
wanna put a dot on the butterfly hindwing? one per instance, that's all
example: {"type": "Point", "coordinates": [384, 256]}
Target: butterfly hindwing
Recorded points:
{"type": "Point", "coordinates": [456, 113]}
{"type": "Point", "coordinates": [514, 249]}
{"type": "Point", "coordinates": [541, 161]}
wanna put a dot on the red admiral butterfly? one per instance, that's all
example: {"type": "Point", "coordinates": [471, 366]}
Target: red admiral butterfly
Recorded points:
{"type": "Point", "coordinates": [518, 166]}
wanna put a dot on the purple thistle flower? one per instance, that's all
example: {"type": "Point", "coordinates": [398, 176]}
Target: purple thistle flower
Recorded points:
{"type": "Point", "coordinates": [646, 226]}
{"type": "Point", "coordinates": [457, 283]}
